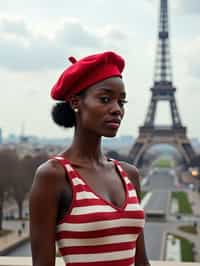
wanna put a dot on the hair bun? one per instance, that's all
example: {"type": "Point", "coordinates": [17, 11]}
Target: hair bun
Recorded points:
{"type": "Point", "coordinates": [63, 115]}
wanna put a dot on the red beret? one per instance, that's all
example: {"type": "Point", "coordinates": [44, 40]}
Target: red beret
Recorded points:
{"type": "Point", "coordinates": [86, 72]}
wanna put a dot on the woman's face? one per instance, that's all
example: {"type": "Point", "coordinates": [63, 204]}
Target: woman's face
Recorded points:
{"type": "Point", "coordinates": [102, 108]}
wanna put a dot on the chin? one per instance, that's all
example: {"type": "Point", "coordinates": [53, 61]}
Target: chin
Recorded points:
{"type": "Point", "coordinates": [110, 134]}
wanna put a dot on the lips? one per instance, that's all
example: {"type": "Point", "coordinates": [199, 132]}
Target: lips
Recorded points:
{"type": "Point", "coordinates": [114, 123]}
{"type": "Point", "coordinates": [114, 120]}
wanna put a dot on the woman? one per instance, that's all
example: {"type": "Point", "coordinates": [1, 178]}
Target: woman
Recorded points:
{"type": "Point", "coordinates": [87, 202]}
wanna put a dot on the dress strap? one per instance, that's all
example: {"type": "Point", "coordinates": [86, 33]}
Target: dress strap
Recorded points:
{"type": "Point", "coordinates": [118, 166]}
{"type": "Point", "coordinates": [66, 165]}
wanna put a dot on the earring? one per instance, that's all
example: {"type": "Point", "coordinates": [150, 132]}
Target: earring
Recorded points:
{"type": "Point", "coordinates": [76, 110]}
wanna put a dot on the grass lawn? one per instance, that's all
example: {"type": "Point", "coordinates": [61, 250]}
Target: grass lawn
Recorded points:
{"type": "Point", "coordinates": [188, 229]}
{"type": "Point", "coordinates": [186, 249]}
{"type": "Point", "coordinates": [163, 163]}
{"type": "Point", "coordinates": [143, 193]}
{"type": "Point", "coordinates": [4, 232]}
{"type": "Point", "coordinates": [183, 202]}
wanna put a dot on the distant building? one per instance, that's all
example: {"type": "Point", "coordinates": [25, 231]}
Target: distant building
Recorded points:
{"type": "Point", "coordinates": [120, 144]}
{"type": "Point", "coordinates": [1, 138]}
{"type": "Point", "coordinates": [11, 138]}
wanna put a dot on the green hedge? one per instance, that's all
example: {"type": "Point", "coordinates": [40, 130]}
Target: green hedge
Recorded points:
{"type": "Point", "coordinates": [186, 249]}
{"type": "Point", "coordinates": [183, 202]}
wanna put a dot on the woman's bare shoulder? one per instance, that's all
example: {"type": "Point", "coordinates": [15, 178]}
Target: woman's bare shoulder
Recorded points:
{"type": "Point", "coordinates": [133, 175]}
{"type": "Point", "coordinates": [49, 173]}
{"type": "Point", "coordinates": [131, 170]}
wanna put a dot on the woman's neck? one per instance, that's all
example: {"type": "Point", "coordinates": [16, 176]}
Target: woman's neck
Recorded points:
{"type": "Point", "coordinates": [86, 148]}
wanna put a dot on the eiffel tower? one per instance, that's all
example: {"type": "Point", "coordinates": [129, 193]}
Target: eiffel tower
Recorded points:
{"type": "Point", "coordinates": [162, 90]}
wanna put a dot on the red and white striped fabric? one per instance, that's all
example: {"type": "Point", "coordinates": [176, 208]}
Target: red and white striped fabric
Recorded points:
{"type": "Point", "coordinates": [94, 231]}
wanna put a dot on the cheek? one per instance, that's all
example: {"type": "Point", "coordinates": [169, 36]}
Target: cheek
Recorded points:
{"type": "Point", "coordinates": [92, 116]}
{"type": "Point", "coordinates": [122, 112]}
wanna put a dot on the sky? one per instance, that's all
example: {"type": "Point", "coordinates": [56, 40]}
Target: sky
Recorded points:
{"type": "Point", "coordinates": [37, 37]}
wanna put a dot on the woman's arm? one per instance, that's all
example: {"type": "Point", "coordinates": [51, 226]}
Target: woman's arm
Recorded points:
{"type": "Point", "coordinates": [140, 256]}
{"type": "Point", "coordinates": [43, 206]}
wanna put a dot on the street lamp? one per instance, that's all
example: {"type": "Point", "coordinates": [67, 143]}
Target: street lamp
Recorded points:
{"type": "Point", "coordinates": [196, 174]}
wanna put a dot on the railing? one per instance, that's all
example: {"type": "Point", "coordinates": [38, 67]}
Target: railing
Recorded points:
{"type": "Point", "coordinates": [26, 261]}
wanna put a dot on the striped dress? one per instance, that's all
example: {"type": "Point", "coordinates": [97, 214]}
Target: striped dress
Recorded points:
{"type": "Point", "coordinates": [94, 231]}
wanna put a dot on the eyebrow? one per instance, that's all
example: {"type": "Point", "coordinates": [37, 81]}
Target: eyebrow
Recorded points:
{"type": "Point", "coordinates": [107, 90]}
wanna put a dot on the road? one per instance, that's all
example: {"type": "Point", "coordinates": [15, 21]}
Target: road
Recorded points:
{"type": "Point", "coordinates": [153, 235]}
{"type": "Point", "coordinates": [22, 251]}
{"type": "Point", "coordinates": [160, 183]}
{"type": "Point", "coordinates": [162, 179]}
{"type": "Point", "coordinates": [158, 202]}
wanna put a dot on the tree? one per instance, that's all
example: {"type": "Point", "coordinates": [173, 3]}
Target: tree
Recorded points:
{"type": "Point", "coordinates": [19, 183]}
{"type": "Point", "coordinates": [8, 160]}
{"type": "Point", "coordinates": [22, 181]}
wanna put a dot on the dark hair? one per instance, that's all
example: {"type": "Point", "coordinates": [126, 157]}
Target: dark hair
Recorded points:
{"type": "Point", "coordinates": [63, 115]}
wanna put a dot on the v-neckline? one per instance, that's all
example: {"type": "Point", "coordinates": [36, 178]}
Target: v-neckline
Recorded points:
{"type": "Point", "coordinates": [125, 188]}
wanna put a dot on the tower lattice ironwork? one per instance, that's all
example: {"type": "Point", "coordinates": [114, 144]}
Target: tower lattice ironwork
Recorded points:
{"type": "Point", "coordinates": [162, 90]}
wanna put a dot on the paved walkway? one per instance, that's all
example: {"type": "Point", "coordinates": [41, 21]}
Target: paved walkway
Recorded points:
{"type": "Point", "coordinates": [194, 198]}
{"type": "Point", "coordinates": [18, 235]}
{"type": "Point", "coordinates": [172, 228]}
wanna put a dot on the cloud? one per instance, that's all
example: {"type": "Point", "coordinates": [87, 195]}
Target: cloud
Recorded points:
{"type": "Point", "coordinates": [182, 6]}
{"type": "Point", "coordinates": [13, 26]}
{"type": "Point", "coordinates": [21, 49]}
{"type": "Point", "coordinates": [192, 52]}
{"type": "Point", "coordinates": [115, 34]}
{"type": "Point", "coordinates": [74, 34]}
{"type": "Point", "coordinates": [189, 6]}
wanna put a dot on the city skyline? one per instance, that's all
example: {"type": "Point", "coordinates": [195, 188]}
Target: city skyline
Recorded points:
{"type": "Point", "coordinates": [37, 39]}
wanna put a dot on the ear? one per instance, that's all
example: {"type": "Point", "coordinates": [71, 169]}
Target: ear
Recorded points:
{"type": "Point", "coordinates": [74, 101]}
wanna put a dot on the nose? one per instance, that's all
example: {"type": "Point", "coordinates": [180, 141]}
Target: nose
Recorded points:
{"type": "Point", "coordinates": [116, 109]}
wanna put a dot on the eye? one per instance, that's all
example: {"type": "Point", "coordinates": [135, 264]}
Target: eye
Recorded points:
{"type": "Point", "coordinates": [122, 102]}
{"type": "Point", "coordinates": [105, 99]}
